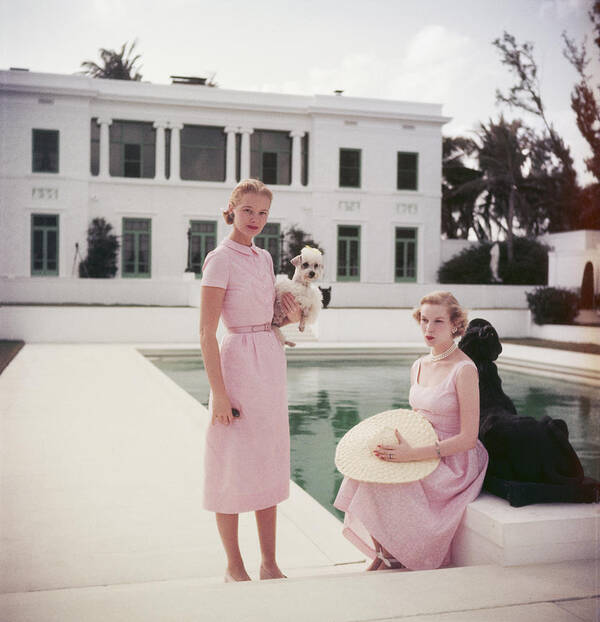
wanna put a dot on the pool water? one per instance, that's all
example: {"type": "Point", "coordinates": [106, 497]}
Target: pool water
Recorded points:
{"type": "Point", "coordinates": [327, 398]}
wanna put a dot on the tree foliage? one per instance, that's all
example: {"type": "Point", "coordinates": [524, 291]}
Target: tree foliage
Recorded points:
{"type": "Point", "coordinates": [459, 200]}
{"type": "Point", "coordinates": [102, 247]}
{"type": "Point", "coordinates": [472, 265]}
{"type": "Point", "coordinates": [584, 101]}
{"type": "Point", "coordinates": [526, 95]}
{"type": "Point", "coordinates": [115, 65]}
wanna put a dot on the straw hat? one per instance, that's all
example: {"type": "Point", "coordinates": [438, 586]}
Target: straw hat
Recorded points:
{"type": "Point", "coordinates": [354, 454]}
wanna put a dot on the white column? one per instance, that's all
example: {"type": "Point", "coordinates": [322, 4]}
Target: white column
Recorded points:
{"type": "Point", "coordinates": [245, 163]}
{"type": "Point", "coordinates": [230, 167]}
{"type": "Point", "coordinates": [159, 172]}
{"type": "Point", "coordinates": [296, 158]}
{"type": "Point", "coordinates": [175, 151]}
{"type": "Point", "coordinates": [104, 168]}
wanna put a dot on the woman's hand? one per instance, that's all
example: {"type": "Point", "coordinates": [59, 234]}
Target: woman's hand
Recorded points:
{"type": "Point", "coordinates": [221, 410]}
{"type": "Point", "coordinates": [402, 452]}
{"type": "Point", "coordinates": [291, 308]}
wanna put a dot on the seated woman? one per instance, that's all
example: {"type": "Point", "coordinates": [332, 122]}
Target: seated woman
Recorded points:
{"type": "Point", "coordinates": [412, 525]}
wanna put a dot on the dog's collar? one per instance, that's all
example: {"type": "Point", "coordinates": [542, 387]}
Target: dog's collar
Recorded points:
{"type": "Point", "coordinates": [240, 248]}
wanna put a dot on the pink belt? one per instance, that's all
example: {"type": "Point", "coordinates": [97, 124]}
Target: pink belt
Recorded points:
{"type": "Point", "coordinates": [257, 328]}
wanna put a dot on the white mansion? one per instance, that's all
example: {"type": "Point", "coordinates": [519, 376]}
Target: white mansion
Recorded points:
{"type": "Point", "coordinates": [157, 162]}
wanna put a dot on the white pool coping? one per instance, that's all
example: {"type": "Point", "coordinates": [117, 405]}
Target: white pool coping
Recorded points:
{"type": "Point", "coordinates": [577, 367]}
{"type": "Point", "coordinates": [101, 517]}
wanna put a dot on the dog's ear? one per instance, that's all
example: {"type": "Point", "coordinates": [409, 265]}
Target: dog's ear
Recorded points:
{"type": "Point", "coordinates": [296, 261]}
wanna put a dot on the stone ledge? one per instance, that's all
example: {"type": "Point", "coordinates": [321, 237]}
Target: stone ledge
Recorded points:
{"type": "Point", "coordinates": [493, 532]}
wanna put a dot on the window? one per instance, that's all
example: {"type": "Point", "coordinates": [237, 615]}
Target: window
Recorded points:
{"type": "Point", "coordinates": [407, 170]}
{"type": "Point", "coordinates": [406, 254]}
{"type": "Point", "coordinates": [136, 247]}
{"type": "Point", "coordinates": [167, 153]}
{"type": "Point", "coordinates": [270, 240]}
{"type": "Point", "coordinates": [203, 239]}
{"type": "Point", "coordinates": [44, 151]}
{"type": "Point", "coordinates": [350, 168]}
{"type": "Point", "coordinates": [44, 245]}
{"type": "Point", "coordinates": [94, 147]}
{"type": "Point", "coordinates": [304, 180]}
{"type": "Point", "coordinates": [271, 157]}
{"type": "Point", "coordinates": [348, 259]}
{"type": "Point", "coordinates": [203, 153]}
{"type": "Point", "coordinates": [132, 149]}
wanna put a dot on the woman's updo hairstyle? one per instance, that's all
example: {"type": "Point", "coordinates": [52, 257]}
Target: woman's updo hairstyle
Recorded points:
{"type": "Point", "coordinates": [245, 186]}
{"type": "Point", "coordinates": [458, 315]}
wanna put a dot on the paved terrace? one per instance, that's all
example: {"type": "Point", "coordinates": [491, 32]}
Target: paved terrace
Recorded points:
{"type": "Point", "coordinates": [100, 519]}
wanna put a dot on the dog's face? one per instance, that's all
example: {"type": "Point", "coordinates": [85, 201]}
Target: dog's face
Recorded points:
{"type": "Point", "coordinates": [480, 341]}
{"type": "Point", "coordinates": [309, 266]}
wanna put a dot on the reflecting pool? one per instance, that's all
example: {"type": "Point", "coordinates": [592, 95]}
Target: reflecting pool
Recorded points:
{"type": "Point", "coordinates": [328, 397]}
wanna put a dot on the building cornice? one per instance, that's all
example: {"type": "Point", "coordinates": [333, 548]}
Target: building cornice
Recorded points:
{"type": "Point", "coordinates": [206, 98]}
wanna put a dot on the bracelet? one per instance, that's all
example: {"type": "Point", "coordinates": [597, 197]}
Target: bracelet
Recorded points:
{"type": "Point", "coordinates": [437, 449]}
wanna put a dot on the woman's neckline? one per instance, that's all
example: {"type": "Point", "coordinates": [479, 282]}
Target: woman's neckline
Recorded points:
{"type": "Point", "coordinates": [437, 384]}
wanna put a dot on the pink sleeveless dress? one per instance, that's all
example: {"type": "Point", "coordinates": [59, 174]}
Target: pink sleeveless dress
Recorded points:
{"type": "Point", "coordinates": [247, 463]}
{"type": "Point", "coordinates": [416, 522]}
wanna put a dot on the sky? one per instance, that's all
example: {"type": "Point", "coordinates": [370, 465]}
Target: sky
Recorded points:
{"type": "Point", "coordinates": [417, 50]}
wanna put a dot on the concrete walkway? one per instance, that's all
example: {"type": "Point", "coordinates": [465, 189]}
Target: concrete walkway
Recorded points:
{"type": "Point", "coordinates": [100, 519]}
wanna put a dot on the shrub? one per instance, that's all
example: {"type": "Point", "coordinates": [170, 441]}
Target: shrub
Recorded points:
{"type": "Point", "coordinates": [101, 260]}
{"type": "Point", "coordinates": [472, 265]}
{"type": "Point", "coordinates": [553, 305]}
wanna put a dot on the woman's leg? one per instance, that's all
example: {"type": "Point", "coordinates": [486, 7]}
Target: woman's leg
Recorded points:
{"type": "Point", "coordinates": [266, 522]}
{"type": "Point", "coordinates": [227, 525]}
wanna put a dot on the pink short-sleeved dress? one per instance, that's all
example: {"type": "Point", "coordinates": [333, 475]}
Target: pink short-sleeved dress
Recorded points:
{"type": "Point", "coordinates": [416, 522]}
{"type": "Point", "coordinates": [247, 463]}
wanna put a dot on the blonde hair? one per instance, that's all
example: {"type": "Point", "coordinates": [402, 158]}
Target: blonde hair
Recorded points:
{"type": "Point", "coordinates": [245, 186]}
{"type": "Point", "coordinates": [458, 315]}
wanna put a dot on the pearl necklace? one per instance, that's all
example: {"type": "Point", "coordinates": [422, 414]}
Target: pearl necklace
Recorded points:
{"type": "Point", "coordinates": [443, 355]}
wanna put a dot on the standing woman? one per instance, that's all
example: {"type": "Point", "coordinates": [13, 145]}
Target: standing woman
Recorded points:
{"type": "Point", "coordinates": [247, 457]}
{"type": "Point", "coordinates": [412, 525]}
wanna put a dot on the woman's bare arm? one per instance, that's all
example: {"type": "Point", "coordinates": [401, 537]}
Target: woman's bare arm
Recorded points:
{"type": "Point", "coordinates": [211, 305]}
{"type": "Point", "coordinates": [467, 389]}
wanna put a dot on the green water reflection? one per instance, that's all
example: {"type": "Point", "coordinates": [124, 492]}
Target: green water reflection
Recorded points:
{"type": "Point", "coordinates": [327, 398]}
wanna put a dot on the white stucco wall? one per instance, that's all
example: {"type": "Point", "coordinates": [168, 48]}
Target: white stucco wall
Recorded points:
{"type": "Point", "coordinates": [380, 128]}
{"type": "Point", "coordinates": [571, 251]}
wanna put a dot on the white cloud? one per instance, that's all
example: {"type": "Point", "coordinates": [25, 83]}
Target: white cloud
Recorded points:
{"type": "Point", "coordinates": [562, 9]}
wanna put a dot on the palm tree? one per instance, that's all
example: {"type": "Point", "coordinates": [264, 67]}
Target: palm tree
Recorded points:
{"type": "Point", "coordinates": [495, 192]}
{"type": "Point", "coordinates": [501, 161]}
{"type": "Point", "coordinates": [115, 65]}
{"type": "Point", "coordinates": [459, 209]}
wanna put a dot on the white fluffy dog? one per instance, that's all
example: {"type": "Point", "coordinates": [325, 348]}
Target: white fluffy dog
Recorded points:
{"type": "Point", "coordinates": [309, 268]}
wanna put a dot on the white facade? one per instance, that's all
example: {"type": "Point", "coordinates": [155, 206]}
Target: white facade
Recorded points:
{"type": "Point", "coordinates": [569, 254]}
{"type": "Point", "coordinates": [380, 129]}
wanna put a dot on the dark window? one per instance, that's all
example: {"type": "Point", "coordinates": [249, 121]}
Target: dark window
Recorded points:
{"type": "Point", "coordinates": [238, 156]}
{"type": "Point", "coordinates": [167, 153]}
{"type": "Point", "coordinates": [132, 149]}
{"type": "Point", "coordinates": [304, 180]}
{"type": "Point", "coordinates": [136, 247]}
{"type": "Point", "coordinates": [132, 160]}
{"type": "Point", "coordinates": [271, 157]}
{"type": "Point", "coordinates": [94, 147]}
{"type": "Point", "coordinates": [203, 150]}
{"type": "Point", "coordinates": [270, 239]}
{"type": "Point", "coordinates": [203, 239]}
{"type": "Point", "coordinates": [269, 167]}
{"type": "Point", "coordinates": [348, 259]}
{"type": "Point", "coordinates": [406, 254]}
{"type": "Point", "coordinates": [407, 170]}
{"type": "Point", "coordinates": [350, 168]}
{"type": "Point", "coordinates": [44, 245]}
{"type": "Point", "coordinates": [44, 151]}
